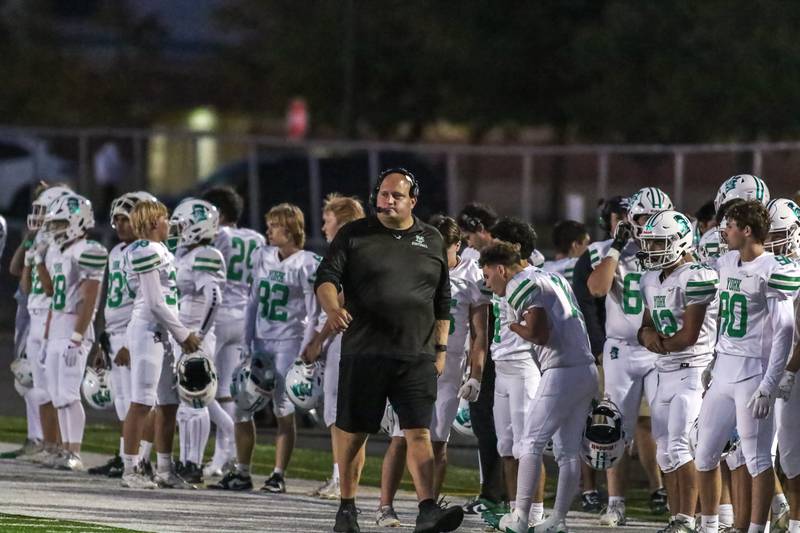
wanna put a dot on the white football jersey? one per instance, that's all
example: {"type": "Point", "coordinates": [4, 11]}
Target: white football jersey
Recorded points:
{"type": "Point", "coordinates": [507, 345]}
{"type": "Point", "coordinates": [708, 248]}
{"type": "Point", "coordinates": [145, 256]}
{"type": "Point", "coordinates": [197, 268]}
{"type": "Point", "coordinates": [281, 288]}
{"type": "Point", "coordinates": [470, 253]}
{"type": "Point", "coordinates": [561, 266]}
{"type": "Point", "coordinates": [82, 259]}
{"type": "Point", "coordinates": [666, 302]}
{"type": "Point", "coordinates": [536, 259]}
{"type": "Point", "coordinates": [119, 297]}
{"type": "Point", "coordinates": [466, 282]}
{"type": "Point", "coordinates": [744, 288]}
{"type": "Point", "coordinates": [624, 304]}
{"type": "Point", "coordinates": [238, 247]}
{"type": "Point", "coordinates": [568, 344]}
{"type": "Point", "coordinates": [37, 299]}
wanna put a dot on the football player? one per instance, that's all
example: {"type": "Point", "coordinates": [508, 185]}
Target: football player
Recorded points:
{"type": "Point", "coordinates": [570, 239]}
{"type": "Point", "coordinates": [151, 275]}
{"type": "Point", "coordinates": [200, 277]}
{"type": "Point", "coordinates": [76, 266]}
{"type": "Point", "coordinates": [629, 369]}
{"type": "Point", "coordinates": [679, 324]}
{"type": "Point", "coordinates": [543, 311]}
{"type": "Point", "coordinates": [238, 246]}
{"type": "Point", "coordinates": [117, 314]}
{"type": "Point", "coordinates": [755, 335]}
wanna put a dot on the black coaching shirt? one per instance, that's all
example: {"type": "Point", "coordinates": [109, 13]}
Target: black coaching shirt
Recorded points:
{"type": "Point", "coordinates": [396, 285]}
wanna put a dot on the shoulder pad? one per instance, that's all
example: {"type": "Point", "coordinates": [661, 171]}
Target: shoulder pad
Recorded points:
{"type": "Point", "coordinates": [145, 256]}
{"type": "Point", "coordinates": [93, 255]}
{"type": "Point", "coordinates": [208, 259]}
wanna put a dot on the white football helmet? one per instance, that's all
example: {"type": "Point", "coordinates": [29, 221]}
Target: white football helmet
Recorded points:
{"type": "Point", "coordinates": [730, 446]}
{"type": "Point", "coordinates": [196, 379]}
{"type": "Point", "coordinates": [784, 227]}
{"type": "Point", "coordinates": [389, 420]}
{"type": "Point", "coordinates": [463, 421]}
{"type": "Point", "coordinates": [304, 384]}
{"type": "Point", "coordinates": [124, 204]}
{"type": "Point", "coordinates": [744, 186]}
{"type": "Point", "coordinates": [194, 220]}
{"type": "Point", "coordinates": [21, 368]}
{"type": "Point", "coordinates": [21, 389]}
{"type": "Point", "coordinates": [96, 388]}
{"type": "Point", "coordinates": [40, 206]}
{"type": "Point", "coordinates": [245, 393]}
{"type": "Point", "coordinates": [68, 218]}
{"type": "Point", "coordinates": [262, 372]}
{"type": "Point", "coordinates": [710, 248]}
{"type": "Point", "coordinates": [665, 239]}
{"type": "Point", "coordinates": [647, 201]}
{"type": "Point", "coordinates": [603, 439]}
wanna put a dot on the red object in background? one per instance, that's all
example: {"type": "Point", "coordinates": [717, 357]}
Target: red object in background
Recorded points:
{"type": "Point", "coordinates": [297, 119]}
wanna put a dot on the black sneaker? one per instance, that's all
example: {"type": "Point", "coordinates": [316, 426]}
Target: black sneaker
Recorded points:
{"type": "Point", "coordinates": [347, 520]}
{"type": "Point", "coordinates": [233, 480]}
{"type": "Point", "coordinates": [112, 468]}
{"type": "Point", "coordinates": [437, 519]}
{"type": "Point", "coordinates": [591, 502]}
{"type": "Point", "coordinates": [658, 502]}
{"type": "Point", "coordinates": [146, 468]}
{"type": "Point", "coordinates": [179, 468]}
{"type": "Point", "coordinates": [480, 505]}
{"type": "Point", "coordinates": [275, 484]}
{"type": "Point", "coordinates": [192, 473]}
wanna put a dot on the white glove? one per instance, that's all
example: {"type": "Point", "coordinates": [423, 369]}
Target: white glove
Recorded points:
{"type": "Point", "coordinates": [470, 390]}
{"type": "Point", "coordinates": [71, 355]}
{"type": "Point", "coordinates": [705, 377]}
{"type": "Point", "coordinates": [785, 385]}
{"type": "Point", "coordinates": [40, 243]}
{"type": "Point", "coordinates": [760, 403]}
{"type": "Point", "coordinates": [30, 257]}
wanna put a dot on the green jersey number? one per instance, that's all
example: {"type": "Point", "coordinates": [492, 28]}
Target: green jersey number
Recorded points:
{"type": "Point", "coordinates": [172, 297]}
{"type": "Point", "coordinates": [569, 295]}
{"type": "Point", "coordinates": [244, 254]}
{"type": "Point", "coordinates": [116, 288]}
{"type": "Point", "coordinates": [59, 292]}
{"type": "Point", "coordinates": [733, 314]}
{"type": "Point", "coordinates": [631, 296]}
{"type": "Point", "coordinates": [453, 305]}
{"type": "Point", "coordinates": [665, 322]}
{"type": "Point", "coordinates": [496, 313]}
{"type": "Point", "coordinates": [36, 283]}
{"type": "Point", "coordinates": [273, 298]}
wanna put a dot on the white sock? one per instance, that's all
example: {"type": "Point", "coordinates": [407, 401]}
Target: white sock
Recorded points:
{"type": "Point", "coordinates": [129, 462]}
{"type": "Point", "coordinates": [726, 514]}
{"type": "Point", "coordinates": [230, 408]}
{"type": "Point", "coordinates": [145, 448]}
{"type": "Point", "coordinates": [72, 421]}
{"type": "Point", "coordinates": [528, 472]}
{"type": "Point", "coordinates": [709, 523]}
{"type": "Point", "coordinates": [224, 431]}
{"type": "Point", "coordinates": [569, 478]}
{"type": "Point", "coordinates": [278, 471]}
{"type": "Point", "coordinates": [243, 469]}
{"type": "Point", "coordinates": [163, 462]}
{"type": "Point", "coordinates": [32, 415]}
{"type": "Point", "coordinates": [199, 429]}
{"type": "Point", "coordinates": [778, 501]}
{"type": "Point", "coordinates": [537, 512]}
{"type": "Point", "coordinates": [182, 418]}
{"type": "Point", "coordinates": [335, 475]}
{"type": "Point", "coordinates": [794, 526]}
{"type": "Point", "coordinates": [756, 528]}
{"type": "Point", "coordinates": [121, 446]}
{"type": "Point", "coordinates": [616, 500]}
{"type": "Point", "coordinates": [688, 520]}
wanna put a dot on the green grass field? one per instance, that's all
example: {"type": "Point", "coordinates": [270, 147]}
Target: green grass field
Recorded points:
{"type": "Point", "coordinates": [12, 523]}
{"type": "Point", "coordinates": [316, 465]}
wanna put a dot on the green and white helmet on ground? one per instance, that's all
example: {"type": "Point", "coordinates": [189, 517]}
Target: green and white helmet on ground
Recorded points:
{"type": "Point", "coordinates": [96, 388]}
{"type": "Point", "coordinates": [193, 221]}
{"type": "Point", "coordinates": [304, 384]}
{"type": "Point", "coordinates": [68, 217]}
{"type": "Point", "coordinates": [647, 201]}
{"type": "Point", "coordinates": [666, 237]}
{"type": "Point", "coordinates": [784, 227]}
{"type": "Point", "coordinates": [42, 202]}
{"type": "Point", "coordinates": [125, 203]}
{"type": "Point", "coordinates": [744, 186]}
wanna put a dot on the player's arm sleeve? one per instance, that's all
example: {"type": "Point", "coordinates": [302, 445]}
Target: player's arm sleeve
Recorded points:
{"type": "Point", "coordinates": [92, 262]}
{"type": "Point", "coordinates": [781, 314]}
{"type": "Point", "coordinates": [525, 295]}
{"type": "Point", "coordinates": [441, 299]}
{"type": "Point", "coordinates": [593, 309]}
{"type": "Point", "coordinates": [250, 317]}
{"type": "Point", "coordinates": [701, 288]}
{"type": "Point", "coordinates": [313, 308]}
{"type": "Point", "coordinates": [150, 287]}
{"type": "Point", "coordinates": [212, 299]}
{"type": "Point", "coordinates": [331, 269]}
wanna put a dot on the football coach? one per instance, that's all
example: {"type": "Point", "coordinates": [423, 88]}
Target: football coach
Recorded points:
{"type": "Point", "coordinates": [385, 283]}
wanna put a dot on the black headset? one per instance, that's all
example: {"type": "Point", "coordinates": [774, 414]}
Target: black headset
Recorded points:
{"type": "Point", "coordinates": [413, 192]}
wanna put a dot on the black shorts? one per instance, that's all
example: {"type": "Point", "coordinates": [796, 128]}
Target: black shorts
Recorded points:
{"type": "Point", "coordinates": [367, 381]}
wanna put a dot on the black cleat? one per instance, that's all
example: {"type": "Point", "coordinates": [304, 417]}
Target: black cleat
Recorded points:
{"type": "Point", "coordinates": [658, 502]}
{"type": "Point", "coordinates": [591, 502]}
{"type": "Point", "coordinates": [192, 473]}
{"type": "Point", "coordinates": [112, 468]}
{"type": "Point", "coordinates": [275, 484]}
{"type": "Point", "coordinates": [233, 480]}
{"type": "Point", "coordinates": [439, 519]}
{"type": "Point", "coordinates": [347, 520]}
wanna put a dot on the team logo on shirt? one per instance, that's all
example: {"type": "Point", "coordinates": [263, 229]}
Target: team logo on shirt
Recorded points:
{"type": "Point", "coordinates": [419, 240]}
{"type": "Point", "coordinates": [734, 284]}
{"type": "Point", "coordinates": [660, 301]}
{"type": "Point", "coordinates": [614, 353]}
{"type": "Point", "coordinates": [276, 275]}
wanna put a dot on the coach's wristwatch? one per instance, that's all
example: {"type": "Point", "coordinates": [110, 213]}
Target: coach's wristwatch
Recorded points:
{"type": "Point", "coordinates": [439, 348]}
